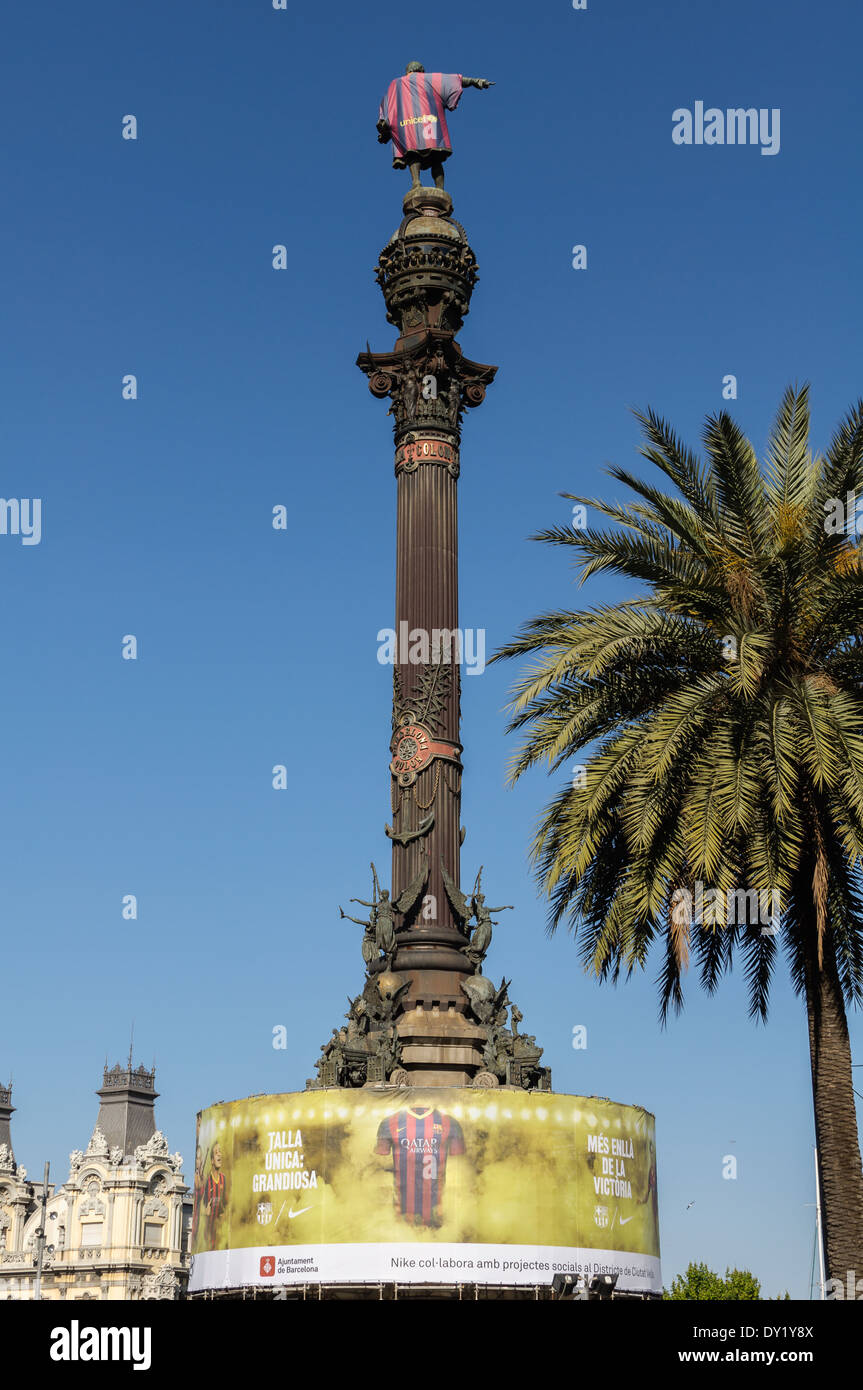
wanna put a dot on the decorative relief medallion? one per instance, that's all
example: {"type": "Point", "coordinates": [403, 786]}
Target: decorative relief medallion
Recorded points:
{"type": "Point", "coordinates": [413, 748]}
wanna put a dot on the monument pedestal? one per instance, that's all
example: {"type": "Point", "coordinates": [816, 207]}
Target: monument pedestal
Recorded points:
{"type": "Point", "coordinates": [440, 1047]}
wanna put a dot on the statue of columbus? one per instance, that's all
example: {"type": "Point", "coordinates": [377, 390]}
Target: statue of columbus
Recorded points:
{"type": "Point", "coordinates": [413, 116]}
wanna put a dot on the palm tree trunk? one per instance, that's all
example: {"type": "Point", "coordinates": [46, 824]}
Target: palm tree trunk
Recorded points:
{"type": "Point", "coordinates": [835, 1116]}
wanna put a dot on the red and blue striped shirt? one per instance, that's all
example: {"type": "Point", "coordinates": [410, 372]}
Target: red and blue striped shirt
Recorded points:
{"type": "Point", "coordinates": [420, 1141]}
{"type": "Point", "coordinates": [414, 109]}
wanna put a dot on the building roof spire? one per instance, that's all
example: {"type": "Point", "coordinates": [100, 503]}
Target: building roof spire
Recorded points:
{"type": "Point", "coordinates": [6, 1111]}
{"type": "Point", "coordinates": [127, 1106]}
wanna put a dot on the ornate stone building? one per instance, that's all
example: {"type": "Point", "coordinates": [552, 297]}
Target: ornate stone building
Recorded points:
{"type": "Point", "coordinates": [119, 1227]}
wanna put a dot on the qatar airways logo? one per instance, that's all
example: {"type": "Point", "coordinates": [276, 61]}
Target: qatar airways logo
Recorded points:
{"type": "Point", "coordinates": [733, 126]}
{"type": "Point", "coordinates": [420, 1146]}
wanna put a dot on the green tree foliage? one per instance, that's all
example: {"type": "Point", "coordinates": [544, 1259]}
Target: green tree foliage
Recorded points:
{"type": "Point", "coordinates": [699, 1282]}
{"type": "Point", "coordinates": [717, 720]}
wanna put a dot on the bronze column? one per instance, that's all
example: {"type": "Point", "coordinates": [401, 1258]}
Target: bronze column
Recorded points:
{"type": "Point", "coordinates": [427, 273]}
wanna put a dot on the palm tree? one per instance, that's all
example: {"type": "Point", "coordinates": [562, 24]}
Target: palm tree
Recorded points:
{"type": "Point", "coordinates": [716, 723]}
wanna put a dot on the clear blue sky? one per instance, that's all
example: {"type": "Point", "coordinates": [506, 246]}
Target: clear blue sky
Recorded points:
{"type": "Point", "coordinates": [258, 647]}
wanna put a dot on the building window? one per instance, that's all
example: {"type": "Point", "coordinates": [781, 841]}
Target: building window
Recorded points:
{"type": "Point", "coordinates": [153, 1231]}
{"type": "Point", "coordinates": [91, 1233]}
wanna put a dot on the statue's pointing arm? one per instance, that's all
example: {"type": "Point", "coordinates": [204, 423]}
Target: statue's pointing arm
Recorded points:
{"type": "Point", "coordinates": [480, 82]}
{"type": "Point", "coordinates": [346, 916]}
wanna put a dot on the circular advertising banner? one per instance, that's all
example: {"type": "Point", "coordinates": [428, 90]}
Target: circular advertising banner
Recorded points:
{"type": "Point", "coordinates": [424, 1186]}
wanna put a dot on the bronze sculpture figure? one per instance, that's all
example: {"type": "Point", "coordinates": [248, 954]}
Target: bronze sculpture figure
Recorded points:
{"type": "Point", "coordinates": [412, 116]}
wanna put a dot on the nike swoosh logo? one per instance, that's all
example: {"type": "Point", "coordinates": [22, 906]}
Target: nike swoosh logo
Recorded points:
{"type": "Point", "coordinates": [624, 1219]}
{"type": "Point", "coordinates": [302, 1209]}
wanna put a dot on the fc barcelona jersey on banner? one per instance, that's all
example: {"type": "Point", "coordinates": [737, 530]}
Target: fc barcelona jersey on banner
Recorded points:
{"type": "Point", "coordinates": [414, 109]}
{"type": "Point", "coordinates": [420, 1140]}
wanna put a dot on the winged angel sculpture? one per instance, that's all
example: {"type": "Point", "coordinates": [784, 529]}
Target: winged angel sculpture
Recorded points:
{"type": "Point", "coordinates": [379, 937]}
{"type": "Point", "coordinates": [466, 908]}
